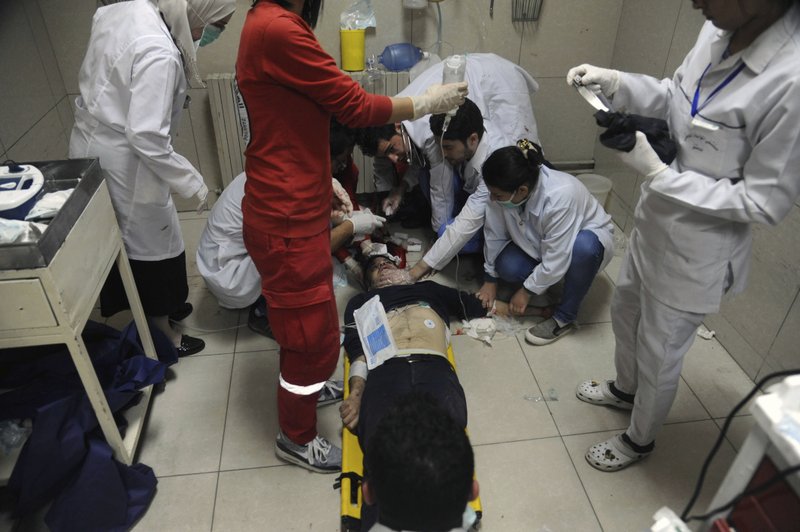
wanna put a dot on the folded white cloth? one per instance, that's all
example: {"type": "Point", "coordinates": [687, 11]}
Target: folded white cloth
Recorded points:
{"type": "Point", "coordinates": [49, 205]}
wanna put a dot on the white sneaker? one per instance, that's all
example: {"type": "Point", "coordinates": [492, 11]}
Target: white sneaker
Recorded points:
{"type": "Point", "coordinates": [331, 392]}
{"type": "Point", "coordinates": [318, 455]}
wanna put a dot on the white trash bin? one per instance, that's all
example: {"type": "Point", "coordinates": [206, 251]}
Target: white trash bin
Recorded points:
{"type": "Point", "coordinates": [599, 186]}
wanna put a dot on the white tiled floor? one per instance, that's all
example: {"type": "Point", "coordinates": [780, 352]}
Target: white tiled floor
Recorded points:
{"type": "Point", "coordinates": [210, 433]}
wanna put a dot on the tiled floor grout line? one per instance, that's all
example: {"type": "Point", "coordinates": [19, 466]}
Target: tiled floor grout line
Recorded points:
{"type": "Point", "coordinates": [224, 426]}
{"type": "Point", "coordinates": [233, 470]}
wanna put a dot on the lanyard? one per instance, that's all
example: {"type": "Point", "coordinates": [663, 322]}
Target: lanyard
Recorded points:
{"type": "Point", "coordinates": [696, 100]}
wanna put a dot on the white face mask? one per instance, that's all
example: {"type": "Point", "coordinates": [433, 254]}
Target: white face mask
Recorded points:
{"type": "Point", "coordinates": [509, 203]}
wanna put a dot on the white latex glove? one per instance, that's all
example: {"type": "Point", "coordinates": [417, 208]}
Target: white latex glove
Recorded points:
{"type": "Point", "coordinates": [439, 99]}
{"type": "Point", "coordinates": [643, 158]}
{"type": "Point", "coordinates": [392, 202]}
{"type": "Point", "coordinates": [352, 266]}
{"type": "Point", "coordinates": [341, 206]}
{"type": "Point", "coordinates": [364, 222]}
{"type": "Point", "coordinates": [202, 196]}
{"type": "Point", "coordinates": [595, 78]}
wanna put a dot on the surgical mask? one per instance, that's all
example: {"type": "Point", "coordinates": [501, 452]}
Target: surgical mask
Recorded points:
{"type": "Point", "coordinates": [196, 45]}
{"type": "Point", "coordinates": [210, 34]}
{"type": "Point", "coordinates": [508, 204]}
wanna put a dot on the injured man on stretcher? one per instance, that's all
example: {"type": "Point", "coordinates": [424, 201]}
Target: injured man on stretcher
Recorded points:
{"type": "Point", "coordinates": [418, 316]}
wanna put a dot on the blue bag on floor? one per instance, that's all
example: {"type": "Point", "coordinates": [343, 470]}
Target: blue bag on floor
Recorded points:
{"type": "Point", "coordinates": [66, 457]}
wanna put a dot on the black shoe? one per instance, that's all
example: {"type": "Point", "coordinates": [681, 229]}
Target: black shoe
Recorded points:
{"type": "Point", "coordinates": [259, 324]}
{"type": "Point", "coordinates": [182, 312]}
{"type": "Point", "coordinates": [190, 345]}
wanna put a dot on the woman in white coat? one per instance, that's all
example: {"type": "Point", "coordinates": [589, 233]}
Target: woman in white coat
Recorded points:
{"type": "Point", "coordinates": [541, 226]}
{"type": "Point", "coordinates": [733, 107]}
{"type": "Point", "coordinates": [133, 83]}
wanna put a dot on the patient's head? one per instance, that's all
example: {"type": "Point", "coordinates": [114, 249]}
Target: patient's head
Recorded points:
{"type": "Point", "coordinates": [418, 467]}
{"type": "Point", "coordinates": [381, 271]}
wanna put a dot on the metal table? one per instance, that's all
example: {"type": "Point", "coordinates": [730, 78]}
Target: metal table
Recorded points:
{"type": "Point", "coordinates": [49, 289]}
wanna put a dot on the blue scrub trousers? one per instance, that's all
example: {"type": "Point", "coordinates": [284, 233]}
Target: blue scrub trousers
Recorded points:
{"type": "Point", "coordinates": [473, 245]}
{"type": "Point", "coordinates": [514, 265]}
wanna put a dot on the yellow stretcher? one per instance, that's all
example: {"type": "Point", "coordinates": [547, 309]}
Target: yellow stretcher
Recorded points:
{"type": "Point", "coordinates": [352, 462]}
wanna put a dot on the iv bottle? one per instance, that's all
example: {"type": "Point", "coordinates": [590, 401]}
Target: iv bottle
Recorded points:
{"type": "Point", "coordinates": [400, 56]}
{"type": "Point", "coordinates": [373, 78]}
{"type": "Point", "coordinates": [454, 70]}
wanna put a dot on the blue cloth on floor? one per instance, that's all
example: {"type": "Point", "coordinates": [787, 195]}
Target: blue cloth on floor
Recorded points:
{"type": "Point", "coordinates": [126, 494]}
{"type": "Point", "coordinates": [64, 455]}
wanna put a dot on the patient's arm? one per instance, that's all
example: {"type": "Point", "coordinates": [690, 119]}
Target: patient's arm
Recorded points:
{"type": "Point", "coordinates": [351, 406]}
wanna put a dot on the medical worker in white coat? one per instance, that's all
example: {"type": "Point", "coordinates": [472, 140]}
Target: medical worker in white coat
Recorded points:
{"type": "Point", "coordinates": [503, 92]}
{"type": "Point", "coordinates": [133, 82]}
{"type": "Point", "coordinates": [223, 261]}
{"type": "Point", "coordinates": [733, 107]}
{"type": "Point", "coordinates": [541, 226]}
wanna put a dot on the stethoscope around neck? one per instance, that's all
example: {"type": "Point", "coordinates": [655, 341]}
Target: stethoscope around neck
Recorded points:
{"type": "Point", "coordinates": [412, 153]}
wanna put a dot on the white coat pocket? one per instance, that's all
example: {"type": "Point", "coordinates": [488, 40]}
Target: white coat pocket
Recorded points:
{"type": "Point", "coordinates": [713, 152]}
{"type": "Point", "coordinates": [152, 232]}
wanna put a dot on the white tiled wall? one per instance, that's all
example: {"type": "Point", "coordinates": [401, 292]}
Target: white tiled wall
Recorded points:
{"type": "Point", "coordinates": [42, 43]}
{"type": "Point", "coordinates": [25, 92]}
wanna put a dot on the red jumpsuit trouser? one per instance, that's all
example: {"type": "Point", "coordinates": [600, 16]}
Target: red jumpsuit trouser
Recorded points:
{"type": "Point", "coordinates": [297, 282]}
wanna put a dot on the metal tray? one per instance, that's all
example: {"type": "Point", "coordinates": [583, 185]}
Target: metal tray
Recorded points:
{"type": "Point", "coordinates": [81, 174]}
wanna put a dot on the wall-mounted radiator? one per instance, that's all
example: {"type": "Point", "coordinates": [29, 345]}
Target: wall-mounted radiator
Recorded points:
{"type": "Point", "coordinates": [228, 128]}
{"type": "Point", "coordinates": [227, 125]}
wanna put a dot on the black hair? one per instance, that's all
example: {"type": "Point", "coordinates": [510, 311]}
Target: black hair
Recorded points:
{"type": "Point", "coordinates": [511, 167]}
{"type": "Point", "coordinates": [310, 11]}
{"type": "Point", "coordinates": [467, 120]}
{"type": "Point", "coordinates": [420, 465]}
{"type": "Point", "coordinates": [342, 138]}
{"type": "Point", "coordinates": [368, 138]}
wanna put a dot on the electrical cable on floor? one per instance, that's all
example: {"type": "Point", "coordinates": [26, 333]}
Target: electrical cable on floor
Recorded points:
{"type": "Point", "coordinates": [747, 493]}
{"type": "Point", "coordinates": [723, 431]}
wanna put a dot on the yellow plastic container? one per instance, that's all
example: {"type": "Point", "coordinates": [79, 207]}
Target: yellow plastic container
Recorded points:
{"type": "Point", "coordinates": [352, 49]}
